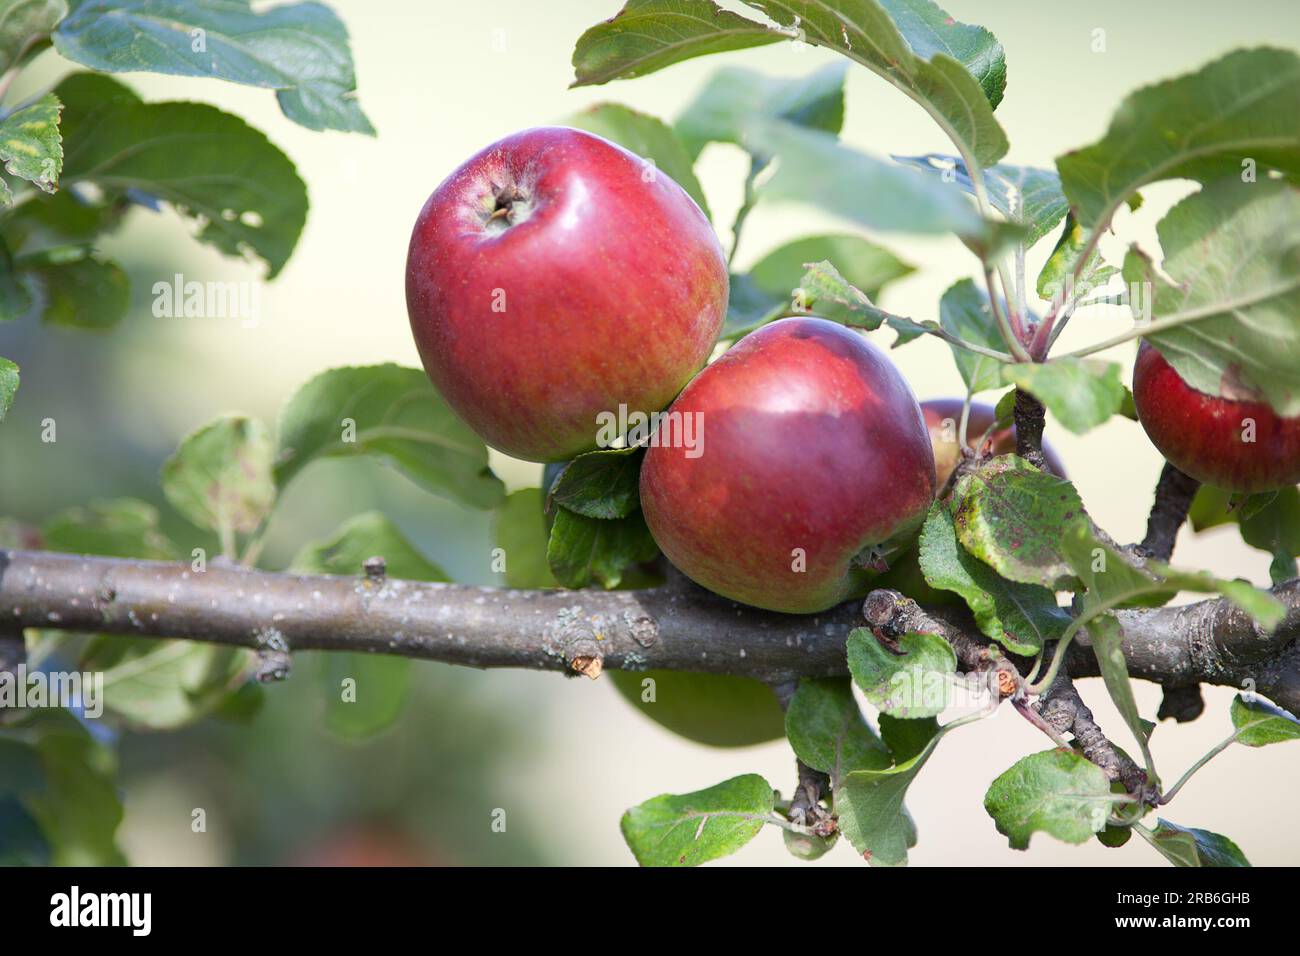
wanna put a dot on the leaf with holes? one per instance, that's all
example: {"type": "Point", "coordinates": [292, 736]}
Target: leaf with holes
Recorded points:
{"type": "Point", "coordinates": [208, 165]}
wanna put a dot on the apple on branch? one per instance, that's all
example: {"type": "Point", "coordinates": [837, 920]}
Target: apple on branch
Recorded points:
{"type": "Point", "coordinates": [556, 276]}
{"type": "Point", "coordinates": [943, 419]}
{"type": "Point", "coordinates": [1239, 445]}
{"type": "Point", "coordinates": [817, 465]}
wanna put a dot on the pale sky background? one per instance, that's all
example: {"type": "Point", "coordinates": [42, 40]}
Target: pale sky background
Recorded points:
{"type": "Point", "coordinates": [439, 81]}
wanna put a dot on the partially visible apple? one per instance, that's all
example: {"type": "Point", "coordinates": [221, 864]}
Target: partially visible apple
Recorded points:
{"type": "Point", "coordinates": [815, 463]}
{"type": "Point", "coordinates": [943, 419]}
{"type": "Point", "coordinates": [555, 277]}
{"type": "Point", "coordinates": [715, 709]}
{"type": "Point", "coordinates": [1240, 446]}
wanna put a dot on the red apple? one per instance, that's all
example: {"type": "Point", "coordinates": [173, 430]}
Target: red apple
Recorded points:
{"type": "Point", "coordinates": [1239, 446]}
{"type": "Point", "coordinates": [943, 419]}
{"type": "Point", "coordinates": [814, 461]}
{"type": "Point", "coordinates": [555, 277]}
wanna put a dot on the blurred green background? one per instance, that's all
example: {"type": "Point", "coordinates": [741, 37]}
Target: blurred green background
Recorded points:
{"type": "Point", "coordinates": [562, 758]}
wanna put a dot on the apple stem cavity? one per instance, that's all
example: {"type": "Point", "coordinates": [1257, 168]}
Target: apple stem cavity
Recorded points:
{"type": "Point", "coordinates": [509, 206]}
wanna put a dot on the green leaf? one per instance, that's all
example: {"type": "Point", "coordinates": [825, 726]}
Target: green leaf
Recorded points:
{"type": "Point", "coordinates": [648, 137]}
{"type": "Point", "coordinates": [929, 30]}
{"type": "Point", "coordinates": [1186, 846]}
{"type": "Point", "coordinates": [519, 529]}
{"type": "Point", "coordinates": [379, 682]}
{"type": "Point", "coordinates": [1107, 646]}
{"type": "Point", "coordinates": [814, 167]}
{"type": "Point", "coordinates": [165, 685]}
{"type": "Point", "coordinates": [1056, 792]}
{"type": "Point", "coordinates": [583, 551]}
{"type": "Point", "coordinates": [771, 282]}
{"type": "Point", "coordinates": [300, 50]}
{"type": "Point", "coordinates": [1197, 126]}
{"type": "Point", "coordinates": [907, 738]}
{"type": "Point", "coordinates": [220, 476]}
{"type": "Point", "coordinates": [1112, 581]}
{"type": "Point", "coordinates": [827, 731]}
{"type": "Point", "coordinates": [207, 164]}
{"type": "Point", "coordinates": [871, 813]}
{"type": "Point", "coordinates": [30, 145]}
{"type": "Point", "coordinates": [1011, 516]}
{"type": "Point", "coordinates": [1020, 617]}
{"type": "Point", "coordinates": [1023, 194]}
{"type": "Point", "coordinates": [367, 535]}
{"type": "Point", "coordinates": [8, 385]}
{"type": "Point", "coordinates": [66, 218]}
{"type": "Point", "coordinates": [1080, 393]}
{"type": "Point", "coordinates": [23, 23]}
{"type": "Point", "coordinates": [1259, 723]}
{"type": "Point", "coordinates": [915, 683]}
{"type": "Point", "coordinates": [964, 311]}
{"type": "Point", "coordinates": [117, 528]}
{"type": "Point", "coordinates": [601, 484]}
{"type": "Point", "coordinates": [77, 807]}
{"type": "Point", "coordinates": [866, 265]}
{"type": "Point", "coordinates": [392, 413]}
{"type": "Point", "coordinates": [1210, 508]}
{"type": "Point", "coordinates": [824, 291]}
{"type": "Point", "coordinates": [693, 828]}
{"type": "Point", "coordinates": [1056, 281]}
{"type": "Point", "coordinates": [733, 97]}
{"type": "Point", "coordinates": [1225, 317]}
{"type": "Point", "coordinates": [16, 287]}
{"type": "Point", "coordinates": [84, 292]}
{"type": "Point", "coordinates": [648, 35]}
{"type": "Point", "coordinates": [1275, 528]}
{"type": "Point", "coordinates": [918, 48]}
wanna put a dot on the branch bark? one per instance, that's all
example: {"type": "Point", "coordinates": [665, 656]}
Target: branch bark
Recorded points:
{"type": "Point", "coordinates": [1030, 418]}
{"type": "Point", "coordinates": [675, 627]}
{"type": "Point", "coordinates": [1173, 499]}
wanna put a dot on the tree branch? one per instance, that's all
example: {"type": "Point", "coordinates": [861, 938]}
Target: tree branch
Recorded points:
{"type": "Point", "coordinates": [1030, 419]}
{"type": "Point", "coordinates": [675, 627]}
{"type": "Point", "coordinates": [1063, 708]}
{"type": "Point", "coordinates": [1173, 499]}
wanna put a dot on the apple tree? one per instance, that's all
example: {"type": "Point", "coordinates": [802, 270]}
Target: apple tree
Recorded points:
{"type": "Point", "coordinates": [811, 556]}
